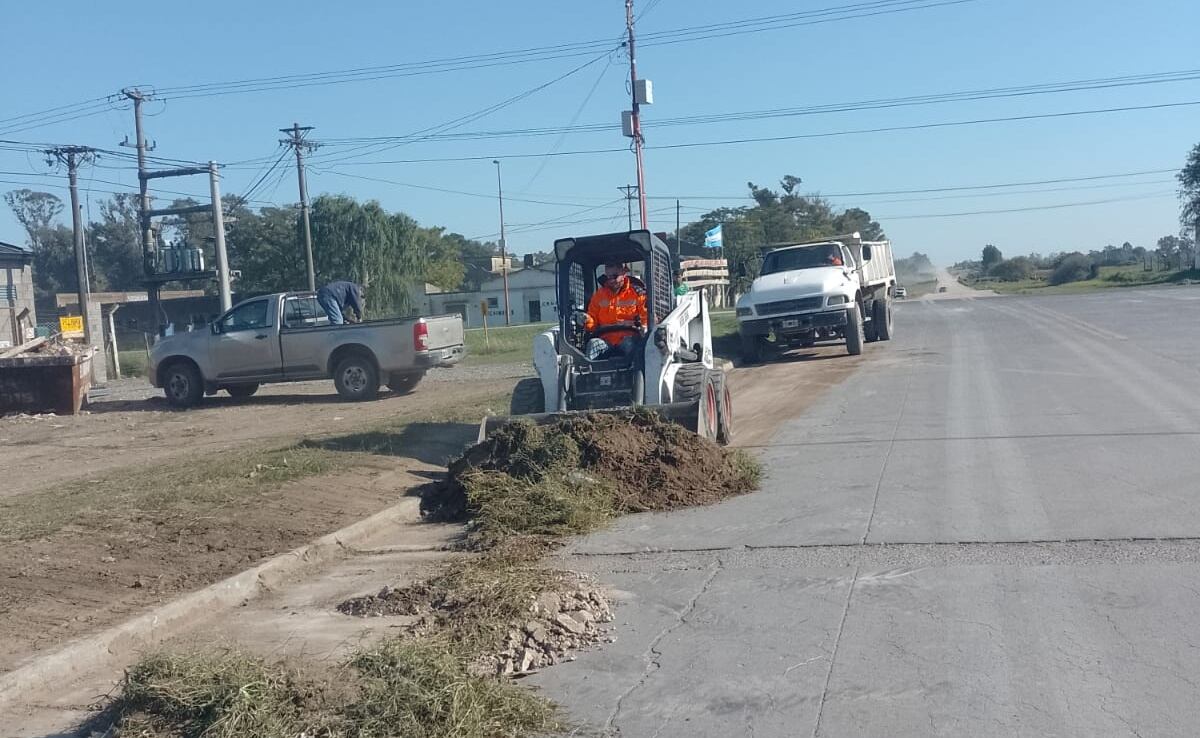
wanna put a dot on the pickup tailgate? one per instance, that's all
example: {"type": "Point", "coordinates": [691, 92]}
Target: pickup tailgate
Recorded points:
{"type": "Point", "coordinates": [445, 331]}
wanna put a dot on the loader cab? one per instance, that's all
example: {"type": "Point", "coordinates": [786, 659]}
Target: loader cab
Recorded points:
{"type": "Point", "coordinates": [611, 380]}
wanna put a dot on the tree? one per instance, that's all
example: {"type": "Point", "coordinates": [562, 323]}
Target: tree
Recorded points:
{"type": "Point", "coordinates": [858, 220]}
{"type": "Point", "coordinates": [991, 257]}
{"type": "Point", "coordinates": [1189, 189]}
{"type": "Point", "coordinates": [53, 246]}
{"type": "Point", "coordinates": [1013, 270]}
{"type": "Point", "coordinates": [266, 248]}
{"type": "Point", "coordinates": [1074, 267]}
{"type": "Point", "coordinates": [115, 247]}
{"type": "Point", "coordinates": [35, 211]}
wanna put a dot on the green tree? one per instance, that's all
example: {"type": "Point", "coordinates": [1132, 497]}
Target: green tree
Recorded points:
{"type": "Point", "coordinates": [1013, 270]}
{"type": "Point", "coordinates": [115, 248]}
{"type": "Point", "coordinates": [1073, 267]}
{"type": "Point", "coordinates": [53, 245]}
{"type": "Point", "coordinates": [1189, 189]}
{"type": "Point", "coordinates": [991, 257]}
{"type": "Point", "coordinates": [266, 248]}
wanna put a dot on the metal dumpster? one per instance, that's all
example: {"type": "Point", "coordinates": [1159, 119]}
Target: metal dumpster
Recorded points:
{"type": "Point", "coordinates": [44, 383]}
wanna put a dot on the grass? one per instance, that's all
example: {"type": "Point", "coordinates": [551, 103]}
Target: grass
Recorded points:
{"type": "Point", "coordinates": [504, 345]}
{"type": "Point", "coordinates": [1109, 277]}
{"type": "Point", "coordinates": [133, 363]}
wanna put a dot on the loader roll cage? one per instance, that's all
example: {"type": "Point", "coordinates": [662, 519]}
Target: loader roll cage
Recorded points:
{"type": "Point", "coordinates": [578, 260]}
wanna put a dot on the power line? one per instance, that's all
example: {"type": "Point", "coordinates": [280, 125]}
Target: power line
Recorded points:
{"type": "Point", "coordinates": [1028, 209]}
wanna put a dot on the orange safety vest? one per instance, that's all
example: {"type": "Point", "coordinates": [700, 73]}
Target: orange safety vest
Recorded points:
{"type": "Point", "coordinates": [608, 307]}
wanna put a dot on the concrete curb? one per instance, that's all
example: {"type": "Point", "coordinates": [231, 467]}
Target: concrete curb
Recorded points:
{"type": "Point", "coordinates": [118, 644]}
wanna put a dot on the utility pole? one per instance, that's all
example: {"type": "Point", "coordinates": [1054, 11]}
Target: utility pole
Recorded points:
{"type": "Point", "coordinates": [149, 255]}
{"type": "Point", "coordinates": [503, 243]}
{"type": "Point", "coordinates": [677, 246]}
{"type": "Point", "coordinates": [218, 216]}
{"type": "Point", "coordinates": [297, 142]}
{"type": "Point", "coordinates": [629, 190]}
{"type": "Point", "coordinates": [636, 115]}
{"type": "Point", "coordinates": [72, 157]}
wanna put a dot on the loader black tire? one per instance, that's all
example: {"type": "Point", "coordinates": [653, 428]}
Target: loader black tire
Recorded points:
{"type": "Point", "coordinates": [724, 409]}
{"type": "Point", "coordinates": [854, 330]}
{"type": "Point", "coordinates": [689, 383]}
{"type": "Point", "coordinates": [528, 397]}
{"type": "Point", "coordinates": [883, 319]}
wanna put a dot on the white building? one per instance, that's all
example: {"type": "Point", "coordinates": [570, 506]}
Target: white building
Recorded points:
{"type": "Point", "coordinates": [531, 299]}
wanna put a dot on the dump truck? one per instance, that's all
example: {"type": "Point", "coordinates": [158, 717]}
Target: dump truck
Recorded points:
{"type": "Point", "coordinates": [836, 289]}
{"type": "Point", "coordinates": [671, 369]}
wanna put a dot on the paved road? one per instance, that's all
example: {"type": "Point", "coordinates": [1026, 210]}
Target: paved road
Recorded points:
{"type": "Point", "coordinates": [991, 528]}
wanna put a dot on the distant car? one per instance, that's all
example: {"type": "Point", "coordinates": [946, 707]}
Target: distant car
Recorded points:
{"type": "Point", "coordinates": [941, 289]}
{"type": "Point", "coordinates": [901, 292]}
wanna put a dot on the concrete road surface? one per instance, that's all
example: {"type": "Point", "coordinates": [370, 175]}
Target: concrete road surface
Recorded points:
{"type": "Point", "coordinates": [990, 528]}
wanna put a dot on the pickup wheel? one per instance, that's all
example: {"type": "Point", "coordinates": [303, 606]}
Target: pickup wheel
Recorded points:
{"type": "Point", "coordinates": [402, 384]}
{"type": "Point", "coordinates": [854, 330]}
{"type": "Point", "coordinates": [356, 378]}
{"type": "Point", "coordinates": [528, 397]}
{"type": "Point", "coordinates": [182, 384]}
{"type": "Point", "coordinates": [883, 319]}
{"type": "Point", "coordinates": [242, 391]}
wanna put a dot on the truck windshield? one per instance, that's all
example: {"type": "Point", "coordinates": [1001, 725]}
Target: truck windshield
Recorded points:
{"type": "Point", "coordinates": [809, 257]}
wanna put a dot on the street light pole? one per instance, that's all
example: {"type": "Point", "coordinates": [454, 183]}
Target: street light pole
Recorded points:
{"type": "Point", "coordinates": [503, 243]}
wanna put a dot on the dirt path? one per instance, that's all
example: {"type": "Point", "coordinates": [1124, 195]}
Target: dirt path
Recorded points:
{"type": "Point", "coordinates": [36, 453]}
{"type": "Point", "coordinates": [767, 395]}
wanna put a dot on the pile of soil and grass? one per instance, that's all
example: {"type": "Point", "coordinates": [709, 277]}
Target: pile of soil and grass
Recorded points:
{"type": "Point", "coordinates": [634, 461]}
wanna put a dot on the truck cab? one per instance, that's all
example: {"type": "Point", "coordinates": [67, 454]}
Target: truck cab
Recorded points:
{"type": "Point", "coordinates": [833, 290]}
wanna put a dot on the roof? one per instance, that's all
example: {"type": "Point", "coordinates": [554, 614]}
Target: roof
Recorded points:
{"type": "Point", "coordinates": [11, 252]}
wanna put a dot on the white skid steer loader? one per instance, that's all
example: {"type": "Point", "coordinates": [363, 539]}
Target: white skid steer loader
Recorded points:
{"type": "Point", "coordinates": [670, 368]}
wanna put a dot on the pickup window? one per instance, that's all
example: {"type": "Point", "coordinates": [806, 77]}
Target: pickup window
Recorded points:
{"type": "Point", "coordinates": [248, 317]}
{"type": "Point", "coordinates": [303, 312]}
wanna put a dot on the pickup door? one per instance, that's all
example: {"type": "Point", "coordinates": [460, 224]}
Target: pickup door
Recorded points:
{"type": "Point", "coordinates": [246, 348]}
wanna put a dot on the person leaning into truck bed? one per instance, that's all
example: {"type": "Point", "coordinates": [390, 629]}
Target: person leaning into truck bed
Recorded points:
{"type": "Point", "coordinates": [618, 302]}
{"type": "Point", "coordinates": [336, 297]}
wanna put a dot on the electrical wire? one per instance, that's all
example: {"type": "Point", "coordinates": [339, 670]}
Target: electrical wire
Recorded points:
{"type": "Point", "coordinates": [1032, 208]}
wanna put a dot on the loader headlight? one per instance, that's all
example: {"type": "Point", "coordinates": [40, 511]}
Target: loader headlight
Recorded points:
{"type": "Point", "coordinates": [744, 312]}
{"type": "Point", "coordinates": [836, 300]}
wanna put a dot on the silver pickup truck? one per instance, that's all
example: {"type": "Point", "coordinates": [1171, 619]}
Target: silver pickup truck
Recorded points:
{"type": "Point", "coordinates": [286, 337]}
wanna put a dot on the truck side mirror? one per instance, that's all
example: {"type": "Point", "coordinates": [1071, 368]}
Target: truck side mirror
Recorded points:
{"type": "Point", "coordinates": [866, 253]}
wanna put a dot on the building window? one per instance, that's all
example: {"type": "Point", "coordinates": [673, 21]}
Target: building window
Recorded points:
{"type": "Point", "coordinates": [493, 302]}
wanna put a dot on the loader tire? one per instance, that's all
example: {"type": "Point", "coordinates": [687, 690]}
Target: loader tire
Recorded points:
{"type": "Point", "coordinates": [724, 409]}
{"type": "Point", "coordinates": [752, 349]}
{"type": "Point", "coordinates": [854, 330]}
{"type": "Point", "coordinates": [883, 319]}
{"type": "Point", "coordinates": [689, 383]}
{"type": "Point", "coordinates": [528, 397]}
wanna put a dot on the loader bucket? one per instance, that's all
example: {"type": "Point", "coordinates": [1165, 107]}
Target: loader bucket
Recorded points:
{"type": "Point", "coordinates": [686, 414]}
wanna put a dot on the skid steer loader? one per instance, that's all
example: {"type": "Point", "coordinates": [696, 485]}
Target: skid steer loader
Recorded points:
{"type": "Point", "coordinates": [671, 370]}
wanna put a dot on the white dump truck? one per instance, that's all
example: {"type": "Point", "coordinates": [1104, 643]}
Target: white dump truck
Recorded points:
{"type": "Point", "coordinates": [837, 289]}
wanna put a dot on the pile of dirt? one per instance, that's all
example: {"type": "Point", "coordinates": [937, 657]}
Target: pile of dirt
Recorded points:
{"type": "Point", "coordinates": [647, 461]}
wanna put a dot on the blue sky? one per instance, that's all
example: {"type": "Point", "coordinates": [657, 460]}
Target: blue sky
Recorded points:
{"type": "Point", "coordinates": [966, 46]}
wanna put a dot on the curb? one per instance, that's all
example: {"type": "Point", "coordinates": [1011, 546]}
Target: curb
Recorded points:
{"type": "Point", "coordinates": [118, 643]}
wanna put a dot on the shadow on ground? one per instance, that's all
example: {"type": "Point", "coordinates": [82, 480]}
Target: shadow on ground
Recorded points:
{"type": "Point", "coordinates": [432, 443]}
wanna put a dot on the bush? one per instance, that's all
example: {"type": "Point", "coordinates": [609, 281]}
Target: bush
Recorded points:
{"type": "Point", "coordinates": [1013, 270]}
{"type": "Point", "coordinates": [1072, 268]}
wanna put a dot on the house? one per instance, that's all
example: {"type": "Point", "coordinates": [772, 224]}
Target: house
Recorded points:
{"type": "Point", "coordinates": [18, 317]}
{"type": "Point", "coordinates": [530, 292]}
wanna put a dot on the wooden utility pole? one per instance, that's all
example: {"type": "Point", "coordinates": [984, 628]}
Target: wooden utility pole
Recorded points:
{"type": "Point", "coordinates": [149, 253]}
{"type": "Point", "coordinates": [72, 157]}
{"type": "Point", "coordinates": [296, 140]}
{"type": "Point", "coordinates": [503, 244]}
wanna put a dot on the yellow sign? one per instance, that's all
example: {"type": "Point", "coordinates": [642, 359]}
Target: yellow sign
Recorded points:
{"type": "Point", "coordinates": [71, 325]}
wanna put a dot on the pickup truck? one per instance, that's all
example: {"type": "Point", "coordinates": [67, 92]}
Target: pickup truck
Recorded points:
{"type": "Point", "coordinates": [285, 337]}
{"type": "Point", "coordinates": [836, 289]}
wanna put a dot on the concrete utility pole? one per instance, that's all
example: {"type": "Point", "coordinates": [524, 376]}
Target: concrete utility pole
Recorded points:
{"type": "Point", "coordinates": [218, 216]}
{"type": "Point", "coordinates": [149, 255]}
{"type": "Point", "coordinates": [629, 190]}
{"type": "Point", "coordinates": [297, 142]}
{"type": "Point", "coordinates": [503, 243]}
{"type": "Point", "coordinates": [636, 115]}
{"type": "Point", "coordinates": [72, 157]}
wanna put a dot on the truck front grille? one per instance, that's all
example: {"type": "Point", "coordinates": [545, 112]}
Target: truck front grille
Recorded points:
{"type": "Point", "coordinates": [790, 306]}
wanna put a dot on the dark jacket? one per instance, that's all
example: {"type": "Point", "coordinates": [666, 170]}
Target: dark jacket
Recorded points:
{"type": "Point", "coordinates": [347, 294]}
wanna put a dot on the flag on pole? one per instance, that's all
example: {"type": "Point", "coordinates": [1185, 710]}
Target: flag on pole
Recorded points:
{"type": "Point", "coordinates": [712, 238]}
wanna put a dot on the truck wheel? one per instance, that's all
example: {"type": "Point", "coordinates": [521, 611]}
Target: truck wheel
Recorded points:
{"type": "Point", "coordinates": [242, 391]}
{"type": "Point", "coordinates": [182, 384]}
{"type": "Point", "coordinates": [402, 384]}
{"type": "Point", "coordinates": [883, 319]}
{"type": "Point", "coordinates": [724, 409]}
{"type": "Point", "coordinates": [854, 330]}
{"type": "Point", "coordinates": [528, 397]}
{"type": "Point", "coordinates": [356, 378]}
{"type": "Point", "coordinates": [752, 352]}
